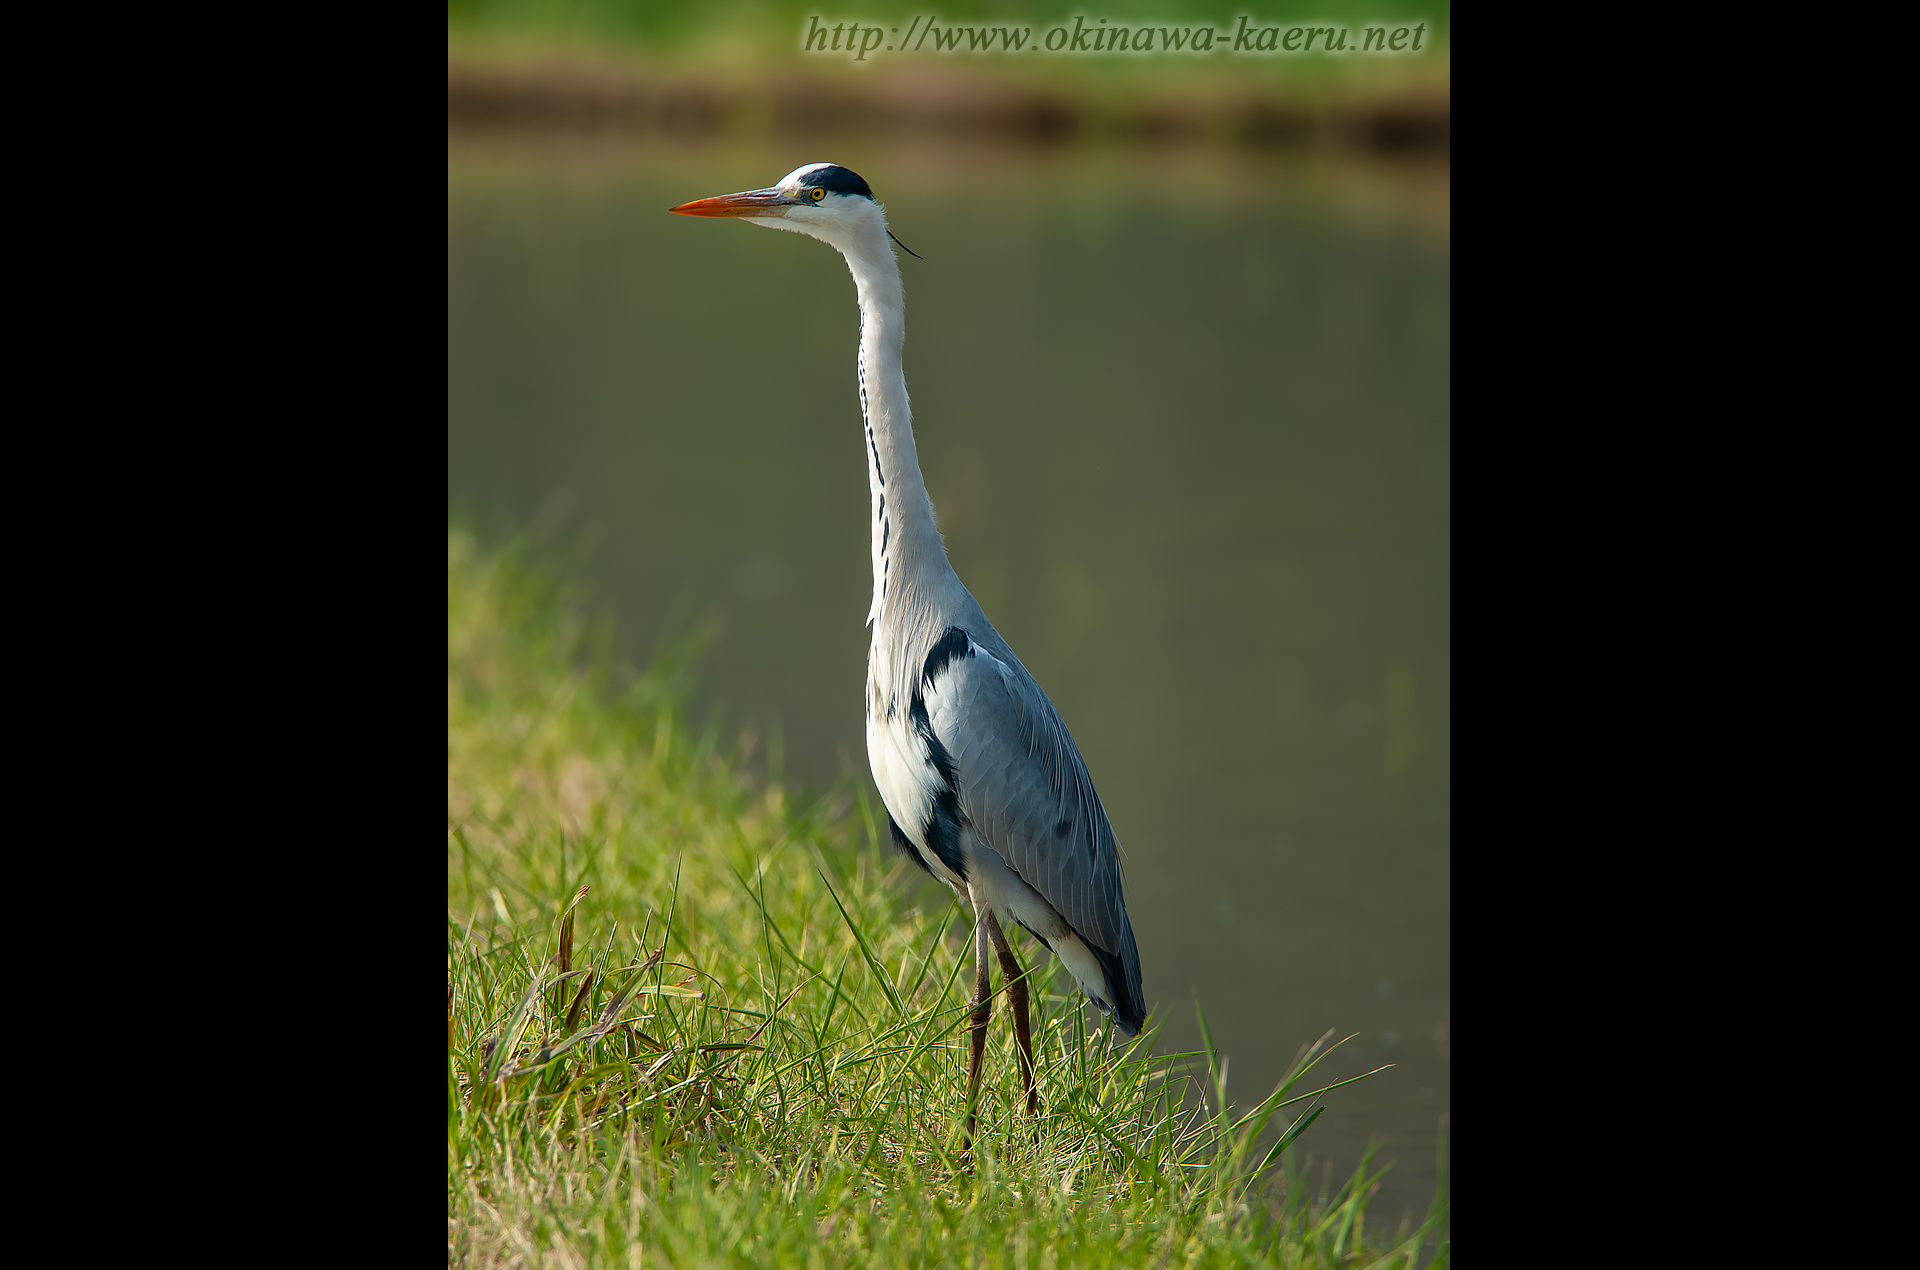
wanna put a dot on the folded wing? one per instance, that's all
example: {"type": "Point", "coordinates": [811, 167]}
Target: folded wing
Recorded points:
{"type": "Point", "coordinates": [1025, 789]}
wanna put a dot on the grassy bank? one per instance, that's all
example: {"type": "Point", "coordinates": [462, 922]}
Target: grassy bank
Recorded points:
{"type": "Point", "coordinates": [692, 1022]}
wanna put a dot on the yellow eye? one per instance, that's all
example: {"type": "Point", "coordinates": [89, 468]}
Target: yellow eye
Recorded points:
{"type": "Point", "coordinates": [816, 195]}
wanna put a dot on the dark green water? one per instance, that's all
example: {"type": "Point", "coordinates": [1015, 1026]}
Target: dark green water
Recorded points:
{"type": "Point", "coordinates": [1185, 420]}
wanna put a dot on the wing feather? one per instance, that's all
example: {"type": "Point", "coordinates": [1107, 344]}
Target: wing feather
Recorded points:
{"type": "Point", "coordinates": [1025, 789]}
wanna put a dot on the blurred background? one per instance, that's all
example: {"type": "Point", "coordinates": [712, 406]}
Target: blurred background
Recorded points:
{"type": "Point", "coordinates": [1178, 350]}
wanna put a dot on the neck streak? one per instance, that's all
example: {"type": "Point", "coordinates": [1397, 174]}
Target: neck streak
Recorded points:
{"type": "Point", "coordinates": [907, 549]}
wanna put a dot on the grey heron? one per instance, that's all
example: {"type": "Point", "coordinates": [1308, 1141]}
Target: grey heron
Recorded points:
{"type": "Point", "coordinates": [983, 786]}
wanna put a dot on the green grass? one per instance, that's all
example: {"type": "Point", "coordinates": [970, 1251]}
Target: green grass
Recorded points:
{"type": "Point", "coordinates": [692, 1020]}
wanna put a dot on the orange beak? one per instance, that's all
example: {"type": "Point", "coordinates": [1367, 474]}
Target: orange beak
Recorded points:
{"type": "Point", "coordinates": [765, 203]}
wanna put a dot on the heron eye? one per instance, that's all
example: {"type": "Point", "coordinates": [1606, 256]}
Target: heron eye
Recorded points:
{"type": "Point", "coordinates": [816, 195]}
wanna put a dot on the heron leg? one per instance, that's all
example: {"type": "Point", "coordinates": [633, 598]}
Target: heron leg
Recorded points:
{"type": "Point", "coordinates": [1017, 994]}
{"type": "Point", "coordinates": [982, 1011]}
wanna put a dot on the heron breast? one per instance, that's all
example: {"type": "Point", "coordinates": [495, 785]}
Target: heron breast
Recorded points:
{"type": "Point", "coordinates": [912, 789]}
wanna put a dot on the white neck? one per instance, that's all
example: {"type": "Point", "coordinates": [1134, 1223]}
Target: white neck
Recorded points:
{"type": "Point", "coordinates": [908, 553]}
{"type": "Point", "coordinates": [906, 541]}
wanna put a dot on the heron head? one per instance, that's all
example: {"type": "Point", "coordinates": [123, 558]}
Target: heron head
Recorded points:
{"type": "Point", "coordinates": [823, 200]}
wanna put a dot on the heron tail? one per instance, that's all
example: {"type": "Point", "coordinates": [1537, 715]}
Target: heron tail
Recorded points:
{"type": "Point", "coordinates": [1123, 976]}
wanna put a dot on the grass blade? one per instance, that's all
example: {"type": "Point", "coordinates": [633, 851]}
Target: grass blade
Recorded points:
{"type": "Point", "coordinates": [510, 1039]}
{"type": "Point", "coordinates": [866, 950]}
{"type": "Point", "coordinates": [579, 999]}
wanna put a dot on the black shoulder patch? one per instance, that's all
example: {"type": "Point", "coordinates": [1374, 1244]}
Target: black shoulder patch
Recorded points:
{"type": "Point", "coordinates": [944, 817]}
{"type": "Point", "coordinates": [901, 841]}
{"type": "Point", "coordinates": [837, 180]}
{"type": "Point", "coordinates": [950, 647]}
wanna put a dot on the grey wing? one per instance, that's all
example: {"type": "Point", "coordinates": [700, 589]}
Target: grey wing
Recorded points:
{"type": "Point", "coordinates": [1024, 787]}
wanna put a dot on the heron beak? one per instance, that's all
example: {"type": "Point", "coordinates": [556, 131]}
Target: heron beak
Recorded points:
{"type": "Point", "coordinates": [763, 203]}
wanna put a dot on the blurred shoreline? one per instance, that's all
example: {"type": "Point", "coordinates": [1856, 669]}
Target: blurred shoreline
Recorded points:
{"type": "Point", "coordinates": [580, 92]}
